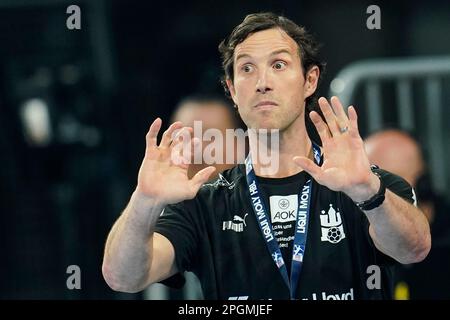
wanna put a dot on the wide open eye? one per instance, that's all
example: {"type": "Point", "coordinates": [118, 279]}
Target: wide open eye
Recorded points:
{"type": "Point", "coordinates": [279, 65]}
{"type": "Point", "coordinates": [247, 68]}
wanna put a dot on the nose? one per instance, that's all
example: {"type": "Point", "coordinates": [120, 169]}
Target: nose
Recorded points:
{"type": "Point", "coordinates": [264, 83]}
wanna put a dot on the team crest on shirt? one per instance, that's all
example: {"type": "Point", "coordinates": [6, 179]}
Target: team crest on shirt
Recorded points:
{"type": "Point", "coordinates": [331, 225]}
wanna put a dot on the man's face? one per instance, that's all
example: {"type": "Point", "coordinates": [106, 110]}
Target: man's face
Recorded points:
{"type": "Point", "coordinates": [269, 87]}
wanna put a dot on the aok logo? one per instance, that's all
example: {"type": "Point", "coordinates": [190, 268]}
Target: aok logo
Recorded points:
{"type": "Point", "coordinates": [283, 208]}
{"type": "Point", "coordinates": [282, 216]}
{"type": "Point", "coordinates": [283, 203]}
{"type": "Point", "coordinates": [332, 229]}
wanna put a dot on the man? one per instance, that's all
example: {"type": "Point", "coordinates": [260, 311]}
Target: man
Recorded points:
{"type": "Point", "coordinates": [349, 214]}
{"type": "Point", "coordinates": [400, 153]}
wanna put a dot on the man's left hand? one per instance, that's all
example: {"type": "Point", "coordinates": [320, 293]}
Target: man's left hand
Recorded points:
{"type": "Point", "coordinates": [346, 166]}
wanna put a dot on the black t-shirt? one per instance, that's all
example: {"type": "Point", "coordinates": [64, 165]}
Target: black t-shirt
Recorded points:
{"type": "Point", "coordinates": [281, 198]}
{"type": "Point", "coordinates": [216, 236]}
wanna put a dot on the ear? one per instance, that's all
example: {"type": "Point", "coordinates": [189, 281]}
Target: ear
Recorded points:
{"type": "Point", "coordinates": [311, 80]}
{"type": "Point", "coordinates": [231, 89]}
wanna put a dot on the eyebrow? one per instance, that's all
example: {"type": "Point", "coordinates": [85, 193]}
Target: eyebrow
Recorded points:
{"type": "Point", "coordinates": [274, 53]}
{"type": "Point", "coordinates": [280, 51]}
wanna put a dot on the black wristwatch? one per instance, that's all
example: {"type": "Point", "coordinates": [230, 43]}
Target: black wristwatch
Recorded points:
{"type": "Point", "coordinates": [377, 199]}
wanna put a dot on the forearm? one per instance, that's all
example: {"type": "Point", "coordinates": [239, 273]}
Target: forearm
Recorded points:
{"type": "Point", "coordinates": [128, 251]}
{"type": "Point", "coordinates": [399, 229]}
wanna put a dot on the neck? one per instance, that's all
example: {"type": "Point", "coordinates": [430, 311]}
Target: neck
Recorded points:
{"type": "Point", "coordinates": [274, 160]}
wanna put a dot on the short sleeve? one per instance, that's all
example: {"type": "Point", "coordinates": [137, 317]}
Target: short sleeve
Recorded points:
{"type": "Point", "coordinates": [178, 224]}
{"type": "Point", "coordinates": [400, 187]}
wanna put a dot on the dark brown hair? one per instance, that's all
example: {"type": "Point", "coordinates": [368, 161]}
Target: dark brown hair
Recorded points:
{"type": "Point", "coordinates": [308, 47]}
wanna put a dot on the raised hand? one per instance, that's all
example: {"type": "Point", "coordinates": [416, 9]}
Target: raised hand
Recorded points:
{"type": "Point", "coordinates": [163, 172]}
{"type": "Point", "coordinates": [346, 166]}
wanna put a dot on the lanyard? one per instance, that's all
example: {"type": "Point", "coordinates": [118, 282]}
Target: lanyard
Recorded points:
{"type": "Point", "coordinates": [301, 226]}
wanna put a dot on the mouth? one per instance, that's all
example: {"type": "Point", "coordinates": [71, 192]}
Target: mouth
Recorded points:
{"type": "Point", "coordinates": [266, 105]}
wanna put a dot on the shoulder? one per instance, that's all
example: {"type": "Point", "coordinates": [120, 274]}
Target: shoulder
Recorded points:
{"type": "Point", "coordinates": [227, 181]}
{"type": "Point", "coordinates": [388, 177]}
{"type": "Point", "coordinates": [226, 186]}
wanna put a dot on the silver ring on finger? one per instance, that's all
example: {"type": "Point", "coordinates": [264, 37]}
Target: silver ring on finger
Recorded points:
{"type": "Point", "coordinates": [344, 129]}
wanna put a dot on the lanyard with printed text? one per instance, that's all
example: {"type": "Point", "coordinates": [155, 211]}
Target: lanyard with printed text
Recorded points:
{"type": "Point", "coordinates": [301, 226]}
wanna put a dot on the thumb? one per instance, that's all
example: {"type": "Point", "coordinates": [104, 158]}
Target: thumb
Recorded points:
{"type": "Point", "coordinates": [201, 177]}
{"type": "Point", "coordinates": [309, 166]}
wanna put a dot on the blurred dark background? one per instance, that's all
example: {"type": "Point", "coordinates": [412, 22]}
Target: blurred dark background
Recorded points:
{"type": "Point", "coordinates": [97, 90]}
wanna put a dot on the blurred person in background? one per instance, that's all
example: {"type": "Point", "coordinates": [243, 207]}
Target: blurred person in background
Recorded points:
{"type": "Point", "coordinates": [398, 152]}
{"type": "Point", "coordinates": [213, 112]}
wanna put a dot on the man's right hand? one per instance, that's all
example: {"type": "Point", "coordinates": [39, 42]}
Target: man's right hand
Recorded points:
{"type": "Point", "coordinates": [163, 172]}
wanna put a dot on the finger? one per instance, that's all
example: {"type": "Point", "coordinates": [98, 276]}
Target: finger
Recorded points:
{"type": "Point", "coordinates": [197, 149]}
{"type": "Point", "coordinates": [309, 166]}
{"type": "Point", "coordinates": [152, 134]}
{"type": "Point", "coordinates": [329, 115]}
{"type": "Point", "coordinates": [176, 157]}
{"type": "Point", "coordinates": [342, 118]}
{"type": "Point", "coordinates": [201, 177]}
{"type": "Point", "coordinates": [353, 117]}
{"type": "Point", "coordinates": [181, 135]}
{"type": "Point", "coordinates": [168, 134]}
{"type": "Point", "coordinates": [181, 147]}
{"type": "Point", "coordinates": [188, 145]}
{"type": "Point", "coordinates": [321, 126]}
